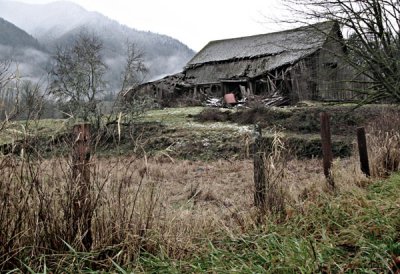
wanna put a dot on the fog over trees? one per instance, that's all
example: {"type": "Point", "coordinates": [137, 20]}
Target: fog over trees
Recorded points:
{"type": "Point", "coordinates": [42, 28]}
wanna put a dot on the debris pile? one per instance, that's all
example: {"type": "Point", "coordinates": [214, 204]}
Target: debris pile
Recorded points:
{"type": "Point", "coordinates": [214, 102]}
{"type": "Point", "coordinates": [276, 100]}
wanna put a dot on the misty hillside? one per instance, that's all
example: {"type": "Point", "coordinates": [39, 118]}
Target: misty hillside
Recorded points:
{"type": "Point", "coordinates": [45, 21]}
{"type": "Point", "coordinates": [17, 45]}
{"type": "Point", "coordinates": [11, 35]}
{"type": "Point", "coordinates": [58, 23]}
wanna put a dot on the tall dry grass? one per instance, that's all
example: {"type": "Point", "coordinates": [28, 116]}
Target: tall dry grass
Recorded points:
{"type": "Point", "coordinates": [275, 169]}
{"type": "Point", "coordinates": [161, 206]}
{"type": "Point", "coordinates": [384, 143]}
{"type": "Point", "coordinates": [155, 206]}
{"type": "Point", "coordinates": [136, 206]}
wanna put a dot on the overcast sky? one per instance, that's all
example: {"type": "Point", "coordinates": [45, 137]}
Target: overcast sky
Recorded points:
{"type": "Point", "coordinates": [194, 22]}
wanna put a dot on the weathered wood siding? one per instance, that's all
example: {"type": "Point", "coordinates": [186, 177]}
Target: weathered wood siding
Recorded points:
{"type": "Point", "coordinates": [333, 76]}
{"type": "Point", "coordinates": [303, 82]}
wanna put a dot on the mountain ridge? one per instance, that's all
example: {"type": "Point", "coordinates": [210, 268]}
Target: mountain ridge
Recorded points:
{"type": "Point", "coordinates": [52, 26]}
{"type": "Point", "coordinates": [11, 35]}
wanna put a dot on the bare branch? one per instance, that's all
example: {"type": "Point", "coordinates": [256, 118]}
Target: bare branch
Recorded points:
{"type": "Point", "coordinates": [77, 79]}
{"type": "Point", "coordinates": [373, 42]}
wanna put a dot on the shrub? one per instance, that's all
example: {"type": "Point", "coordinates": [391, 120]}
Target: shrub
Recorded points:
{"type": "Point", "coordinates": [212, 114]}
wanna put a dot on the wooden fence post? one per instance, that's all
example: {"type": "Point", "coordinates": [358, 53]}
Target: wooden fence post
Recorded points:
{"type": "Point", "coordinates": [259, 172]}
{"type": "Point", "coordinates": [82, 211]}
{"type": "Point", "coordinates": [327, 148]}
{"type": "Point", "coordinates": [363, 151]}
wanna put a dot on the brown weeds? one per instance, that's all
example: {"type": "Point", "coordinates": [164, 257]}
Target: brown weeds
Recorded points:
{"type": "Point", "coordinates": [384, 143]}
{"type": "Point", "coordinates": [275, 172]}
{"type": "Point", "coordinates": [159, 205]}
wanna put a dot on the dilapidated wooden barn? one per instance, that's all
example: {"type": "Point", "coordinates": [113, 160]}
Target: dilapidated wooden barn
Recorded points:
{"type": "Point", "coordinates": [300, 64]}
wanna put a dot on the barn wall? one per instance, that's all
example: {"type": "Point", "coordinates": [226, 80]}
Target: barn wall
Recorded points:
{"type": "Point", "coordinates": [322, 75]}
{"type": "Point", "coordinates": [333, 75]}
{"type": "Point", "coordinates": [303, 80]}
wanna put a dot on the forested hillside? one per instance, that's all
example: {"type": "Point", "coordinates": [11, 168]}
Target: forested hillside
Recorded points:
{"type": "Point", "coordinates": [11, 35]}
{"type": "Point", "coordinates": [57, 24]}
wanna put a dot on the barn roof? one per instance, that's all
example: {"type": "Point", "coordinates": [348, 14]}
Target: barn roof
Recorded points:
{"type": "Point", "coordinates": [291, 44]}
{"type": "Point", "coordinates": [242, 69]}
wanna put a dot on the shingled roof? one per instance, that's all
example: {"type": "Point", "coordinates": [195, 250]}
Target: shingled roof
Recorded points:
{"type": "Point", "coordinates": [291, 44]}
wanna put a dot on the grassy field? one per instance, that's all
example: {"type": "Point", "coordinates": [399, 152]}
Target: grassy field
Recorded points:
{"type": "Point", "coordinates": [159, 216]}
{"type": "Point", "coordinates": [45, 128]}
{"type": "Point", "coordinates": [198, 133]}
{"type": "Point", "coordinates": [356, 231]}
{"type": "Point", "coordinates": [175, 195]}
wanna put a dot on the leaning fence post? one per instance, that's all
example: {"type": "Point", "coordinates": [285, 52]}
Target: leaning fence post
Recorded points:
{"type": "Point", "coordinates": [363, 151]}
{"type": "Point", "coordinates": [82, 215]}
{"type": "Point", "coordinates": [259, 172]}
{"type": "Point", "coordinates": [327, 148]}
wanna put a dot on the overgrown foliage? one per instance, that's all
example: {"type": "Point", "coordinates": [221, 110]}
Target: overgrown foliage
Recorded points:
{"type": "Point", "coordinates": [37, 216]}
{"type": "Point", "coordinates": [342, 234]}
{"type": "Point", "coordinates": [275, 168]}
{"type": "Point", "coordinates": [384, 144]}
{"type": "Point", "coordinates": [302, 120]}
{"type": "Point", "coordinates": [301, 125]}
{"type": "Point", "coordinates": [136, 229]}
{"type": "Point", "coordinates": [162, 214]}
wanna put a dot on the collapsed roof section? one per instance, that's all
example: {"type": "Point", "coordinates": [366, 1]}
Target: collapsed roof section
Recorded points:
{"type": "Point", "coordinates": [253, 56]}
{"type": "Point", "coordinates": [303, 39]}
{"type": "Point", "coordinates": [301, 63]}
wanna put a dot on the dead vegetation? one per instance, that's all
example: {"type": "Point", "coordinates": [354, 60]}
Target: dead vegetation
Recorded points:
{"type": "Point", "coordinates": [162, 206]}
{"type": "Point", "coordinates": [302, 120]}
{"type": "Point", "coordinates": [384, 144]}
{"type": "Point", "coordinates": [140, 205]}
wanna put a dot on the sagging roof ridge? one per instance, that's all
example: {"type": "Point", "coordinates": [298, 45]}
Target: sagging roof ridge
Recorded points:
{"type": "Point", "coordinates": [247, 58]}
{"type": "Point", "coordinates": [214, 51]}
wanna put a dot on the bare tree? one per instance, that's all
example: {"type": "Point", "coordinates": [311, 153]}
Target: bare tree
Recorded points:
{"type": "Point", "coordinates": [32, 100]}
{"type": "Point", "coordinates": [77, 77]}
{"type": "Point", "coordinates": [373, 27]}
{"type": "Point", "coordinates": [6, 73]}
{"type": "Point", "coordinates": [135, 70]}
{"type": "Point", "coordinates": [9, 92]}
{"type": "Point", "coordinates": [134, 74]}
